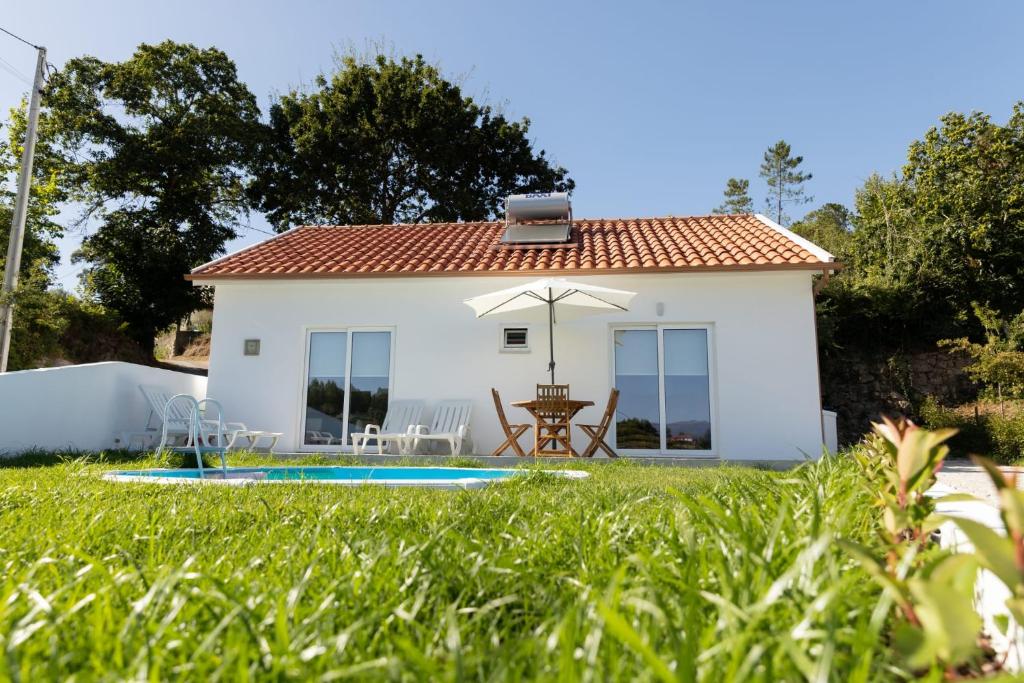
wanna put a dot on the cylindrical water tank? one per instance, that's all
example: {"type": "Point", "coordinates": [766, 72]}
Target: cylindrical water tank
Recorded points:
{"type": "Point", "coordinates": [537, 206]}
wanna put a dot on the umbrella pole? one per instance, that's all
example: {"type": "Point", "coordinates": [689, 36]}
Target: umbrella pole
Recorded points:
{"type": "Point", "coordinates": [551, 335]}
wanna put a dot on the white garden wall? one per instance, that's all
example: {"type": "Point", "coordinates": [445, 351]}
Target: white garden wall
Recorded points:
{"type": "Point", "coordinates": [764, 374]}
{"type": "Point", "coordinates": [80, 407]}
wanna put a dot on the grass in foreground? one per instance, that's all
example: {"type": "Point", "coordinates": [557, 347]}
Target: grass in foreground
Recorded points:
{"type": "Point", "coordinates": [649, 573]}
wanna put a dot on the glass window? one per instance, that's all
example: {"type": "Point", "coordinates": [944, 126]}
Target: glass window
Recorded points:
{"type": "Point", "coordinates": [687, 390]}
{"type": "Point", "coordinates": [347, 384]}
{"type": "Point", "coordinates": [664, 389]}
{"type": "Point", "coordinates": [638, 415]}
{"type": "Point", "coordinates": [325, 388]}
{"type": "Point", "coordinates": [371, 376]}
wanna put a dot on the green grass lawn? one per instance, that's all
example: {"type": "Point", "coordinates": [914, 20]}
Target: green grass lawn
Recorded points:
{"type": "Point", "coordinates": [636, 573]}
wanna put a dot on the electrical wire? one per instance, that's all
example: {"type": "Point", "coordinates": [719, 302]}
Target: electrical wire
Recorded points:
{"type": "Point", "coordinates": [17, 37]}
{"type": "Point", "coordinates": [11, 69]}
{"type": "Point", "coordinates": [249, 226]}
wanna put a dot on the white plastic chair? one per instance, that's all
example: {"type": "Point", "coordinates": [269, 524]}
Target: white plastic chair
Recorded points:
{"type": "Point", "coordinates": [398, 426]}
{"type": "Point", "coordinates": [450, 423]}
{"type": "Point", "coordinates": [176, 419]}
{"type": "Point", "coordinates": [199, 438]}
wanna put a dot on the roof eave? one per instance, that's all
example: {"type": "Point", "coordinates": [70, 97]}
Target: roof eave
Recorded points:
{"type": "Point", "coordinates": [201, 278]}
{"type": "Point", "coordinates": [810, 246]}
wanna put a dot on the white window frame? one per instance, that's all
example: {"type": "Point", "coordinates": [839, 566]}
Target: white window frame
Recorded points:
{"type": "Point", "coordinates": [514, 349]}
{"type": "Point", "coordinates": [663, 451]}
{"type": "Point", "coordinates": [307, 335]}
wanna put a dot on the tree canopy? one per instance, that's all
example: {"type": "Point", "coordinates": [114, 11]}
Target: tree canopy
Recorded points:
{"type": "Point", "coordinates": [935, 241]}
{"type": "Point", "coordinates": [966, 187]}
{"type": "Point", "coordinates": [36, 328]}
{"type": "Point", "coordinates": [828, 226]}
{"type": "Point", "coordinates": [781, 172]}
{"type": "Point", "coordinates": [157, 149]}
{"type": "Point", "coordinates": [386, 141]}
{"type": "Point", "coordinates": [736, 197]}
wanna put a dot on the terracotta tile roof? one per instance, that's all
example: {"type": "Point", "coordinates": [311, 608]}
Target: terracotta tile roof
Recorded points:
{"type": "Point", "coordinates": [721, 242]}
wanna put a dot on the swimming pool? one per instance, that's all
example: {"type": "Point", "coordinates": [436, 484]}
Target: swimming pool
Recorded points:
{"type": "Point", "coordinates": [432, 477]}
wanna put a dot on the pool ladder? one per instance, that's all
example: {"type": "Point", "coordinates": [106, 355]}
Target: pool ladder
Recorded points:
{"type": "Point", "coordinates": [201, 429]}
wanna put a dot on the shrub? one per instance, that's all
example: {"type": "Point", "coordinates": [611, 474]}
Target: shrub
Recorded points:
{"type": "Point", "coordinates": [973, 435]}
{"type": "Point", "coordinates": [1007, 437]}
{"type": "Point", "coordinates": [1000, 437]}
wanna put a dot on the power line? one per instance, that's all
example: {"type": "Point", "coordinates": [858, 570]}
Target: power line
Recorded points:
{"type": "Point", "coordinates": [17, 37]}
{"type": "Point", "coordinates": [13, 70]}
{"type": "Point", "coordinates": [249, 226]}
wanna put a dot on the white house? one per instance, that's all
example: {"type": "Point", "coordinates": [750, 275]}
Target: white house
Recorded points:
{"type": "Point", "coordinates": [315, 329]}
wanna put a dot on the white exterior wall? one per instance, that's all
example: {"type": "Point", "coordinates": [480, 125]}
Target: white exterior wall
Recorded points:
{"type": "Point", "coordinates": [81, 407]}
{"type": "Point", "coordinates": [764, 369]}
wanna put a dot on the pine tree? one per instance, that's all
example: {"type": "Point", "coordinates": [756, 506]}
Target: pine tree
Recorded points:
{"type": "Point", "coordinates": [785, 182]}
{"type": "Point", "coordinates": [737, 197]}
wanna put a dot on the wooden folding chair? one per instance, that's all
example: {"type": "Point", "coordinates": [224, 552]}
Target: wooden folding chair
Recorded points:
{"type": "Point", "coordinates": [552, 435]}
{"type": "Point", "coordinates": [597, 432]}
{"type": "Point", "coordinates": [512, 432]}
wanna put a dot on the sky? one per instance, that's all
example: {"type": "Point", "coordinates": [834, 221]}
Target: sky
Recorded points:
{"type": "Point", "coordinates": [651, 106]}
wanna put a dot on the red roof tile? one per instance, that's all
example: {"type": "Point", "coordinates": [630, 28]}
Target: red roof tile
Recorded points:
{"type": "Point", "coordinates": [720, 242]}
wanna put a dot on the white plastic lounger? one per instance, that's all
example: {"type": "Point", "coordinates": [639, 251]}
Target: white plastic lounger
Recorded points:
{"type": "Point", "coordinates": [397, 427]}
{"type": "Point", "coordinates": [316, 438]}
{"type": "Point", "coordinates": [176, 418]}
{"type": "Point", "coordinates": [450, 423]}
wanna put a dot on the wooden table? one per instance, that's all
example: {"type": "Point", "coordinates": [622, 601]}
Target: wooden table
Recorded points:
{"type": "Point", "coordinates": [533, 405]}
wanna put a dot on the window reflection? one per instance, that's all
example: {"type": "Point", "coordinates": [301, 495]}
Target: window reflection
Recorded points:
{"type": "Point", "coordinates": [371, 359]}
{"type": "Point", "coordinates": [325, 388]}
{"type": "Point", "coordinates": [638, 416]}
{"type": "Point", "coordinates": [364, 371]}
{"type": "Point", "coordinates": [687, 390]}
{"type": "Point", "coordinates": [664, 396]}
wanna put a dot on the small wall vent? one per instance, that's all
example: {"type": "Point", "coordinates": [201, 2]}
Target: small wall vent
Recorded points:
{"type": "Point", "coordinates": [537, 218]}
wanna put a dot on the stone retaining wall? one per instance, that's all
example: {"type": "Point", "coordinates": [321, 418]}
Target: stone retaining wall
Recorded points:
{"type": "Point", "coordinates": [862, 388]}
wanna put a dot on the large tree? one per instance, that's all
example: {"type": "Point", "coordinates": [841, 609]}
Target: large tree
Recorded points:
{"type": "Point", "coordinates": [156, 148]}
{"type": "Point", "coordinates": [385, 141]}
{"type": "Point", "coordinates": [781, 172]}
{"type": "Point", "coordinates": [936, 239]}
{"type": "Point", "coordinates": [829, 227]}
{"type": "Point", "coordinates": [736, 197]}
{"type": "Point", "coordinates": [966, 182]}
{"type": "Point", "coordinates": [36, 325]}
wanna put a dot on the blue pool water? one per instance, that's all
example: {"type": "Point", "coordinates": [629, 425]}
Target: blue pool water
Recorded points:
{"type": "Point", "coordinates": [369, 474]}
{"type": "Point", "coordinates": [433, 477]}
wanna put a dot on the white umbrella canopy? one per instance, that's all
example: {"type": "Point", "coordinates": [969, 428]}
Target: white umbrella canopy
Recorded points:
{"type": "Point", "coordinates": [585, 299]}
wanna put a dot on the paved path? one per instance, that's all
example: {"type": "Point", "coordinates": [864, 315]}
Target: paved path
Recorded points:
{"type": "Point", "coordinates": [965, 476]}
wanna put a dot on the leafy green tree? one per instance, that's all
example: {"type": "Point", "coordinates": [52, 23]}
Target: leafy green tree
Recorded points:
{"type": "Point", "coordinates": [888, 242]}
{"type": "Point", "coordinates": [385, 141]}
{"type": "Point", "coordinates": [780, 170]}
{"type": "Point", "coordinates": [156, 148]}
{"type": "Point", "coordinates": [736, 197]}
{"type": "Point", "coordinates": [967, 192]}
{"type": "Point", "coordinates": [37, 322]}
{"type": "Point", "coordinates": [999, 362]}
{"type": "Point", "coordinates": [829, 227]}
{"type": "Point", "coordinates": [930, 241]}
{"type": "Point", "coordinates": [891, 294]}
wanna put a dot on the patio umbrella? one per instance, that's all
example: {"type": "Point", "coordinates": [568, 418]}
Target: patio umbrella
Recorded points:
{"type": "Point", "coordinates": [587, 299]}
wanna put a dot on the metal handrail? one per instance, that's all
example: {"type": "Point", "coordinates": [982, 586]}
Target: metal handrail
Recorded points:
{"type": "Point", "coordinates": [197, 439]}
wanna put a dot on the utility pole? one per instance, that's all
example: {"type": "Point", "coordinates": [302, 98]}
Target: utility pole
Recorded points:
{"type": "Point", "coordinates": [13, 264]}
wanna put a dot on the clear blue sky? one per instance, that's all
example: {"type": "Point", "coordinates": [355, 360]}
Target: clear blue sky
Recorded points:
{"type": "Point", "coordinates": [650, 105]}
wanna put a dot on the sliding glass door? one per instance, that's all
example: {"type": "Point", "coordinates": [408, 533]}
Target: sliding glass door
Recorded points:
{"type": "Point", "coordinates": [348, 379]}
{"type": "Point", "coordinates": [664, 382]}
